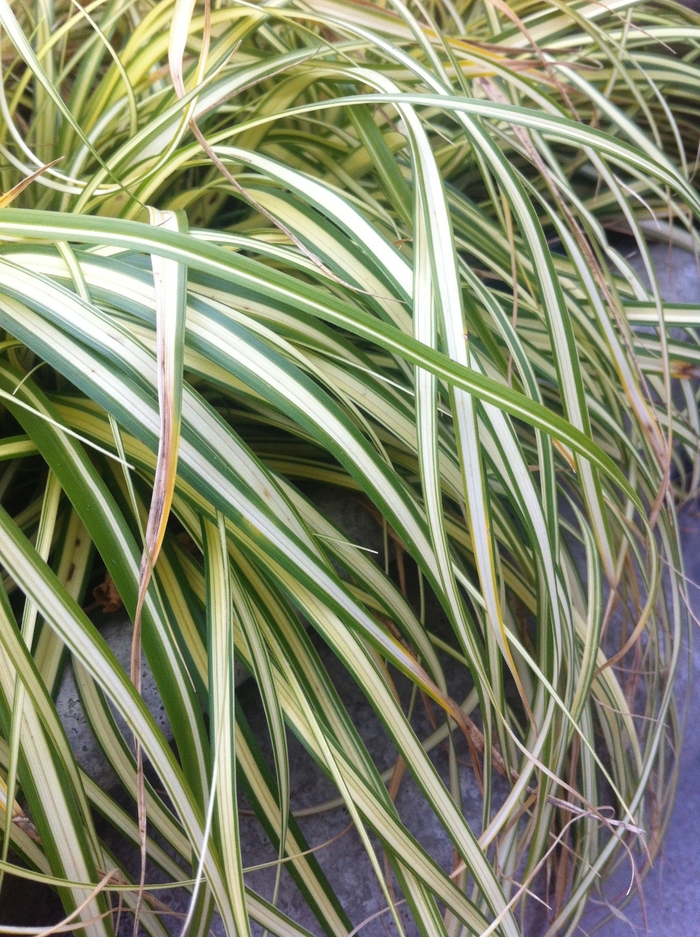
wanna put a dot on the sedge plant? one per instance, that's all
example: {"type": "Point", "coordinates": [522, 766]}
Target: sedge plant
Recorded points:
{"type": "Point", "coordinates": [246, 247]}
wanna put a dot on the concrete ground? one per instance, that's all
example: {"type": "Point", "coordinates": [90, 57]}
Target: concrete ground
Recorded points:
{"type": "Point", "coordinates": [670, 901]}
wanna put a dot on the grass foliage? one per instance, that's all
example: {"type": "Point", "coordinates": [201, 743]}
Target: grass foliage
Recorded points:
{"type": "Point", "coordinates": [366, 244]}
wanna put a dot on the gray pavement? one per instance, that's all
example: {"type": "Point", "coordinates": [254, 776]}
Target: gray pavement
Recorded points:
{"type": "Point", "coordinates": [670, 902]}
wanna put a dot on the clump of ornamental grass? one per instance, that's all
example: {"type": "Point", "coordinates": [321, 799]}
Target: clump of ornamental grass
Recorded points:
{"type": "Point", "coordinates": [251, 246]}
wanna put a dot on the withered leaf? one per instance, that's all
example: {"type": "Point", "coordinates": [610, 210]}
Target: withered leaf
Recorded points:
{"type": "Point", "coordinates": [107, 596]}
